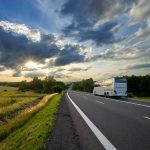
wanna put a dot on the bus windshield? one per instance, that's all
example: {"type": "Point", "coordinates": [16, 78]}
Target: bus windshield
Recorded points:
{"type": "Point", "coordinates": [120, 80]}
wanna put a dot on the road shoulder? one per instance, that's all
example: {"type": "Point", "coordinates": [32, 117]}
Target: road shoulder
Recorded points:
{"type": "Point", "coordinates": [64, 135]}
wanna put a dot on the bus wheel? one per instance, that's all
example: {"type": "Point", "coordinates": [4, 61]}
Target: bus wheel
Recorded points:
{"type": "Point", "coordinates": [107, 94]}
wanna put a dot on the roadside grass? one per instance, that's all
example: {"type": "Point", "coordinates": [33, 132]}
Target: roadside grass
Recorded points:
{"type": "Point", "coordinates": [135, 96]}
{"type": "Point", "coordinates": [22, 102]}
{"type": "Point", "coordinates": [11, 97]}
{"type": "Point", "coordinates": [33, 135]}
{"type": "Point", "coordinates": [146, 99]}
{"type": "Point", "coordinates": [8, 88]}
{"type": "Point", "coordinates": [12, 100]}
{"type": "Point", "coordinates": [22, 117]}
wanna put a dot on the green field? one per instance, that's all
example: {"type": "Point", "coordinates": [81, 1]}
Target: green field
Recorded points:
{"type": "Point", "coordinates": [7, 88]}
{"type": "Point", "coordinates": [24, 116]}
{"type": "Point", "coordinates": [11, 95]}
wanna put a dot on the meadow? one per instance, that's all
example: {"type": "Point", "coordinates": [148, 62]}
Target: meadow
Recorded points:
{"type": "Point", "coordinates": [19, 111]}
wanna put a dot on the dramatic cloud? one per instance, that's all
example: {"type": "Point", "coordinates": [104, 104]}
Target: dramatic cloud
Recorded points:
{"type": "Point", "coordinates": [79, 69]}
{"type": "Point", "coordinates": [57, 37]}
{"type": "Point", "coordinates": [60, 75]}
{"type": "Point", "coordinates": [137, 66]}
{"type": "Point", "coordinates": [35, 74]}
{"type": "Point", "coordinates": [2, 68]}
{"type": "Point", "coordinates": [22, 29]}
{"type": "Point", "coordinates": [16, 49]}
{"type": "Point", "coordinates": [101, 35]}
{"type": "Point", "coordinates": [17, 73]}
{"type": "Point", "coordinates": [116, 55]}
{"type": "Point", "coordinates": [95, 20]}
{"type": "Point", "coordinates": [69, 54]}
{"type": "Point", "coordinates": [141, 10]}
{"type": "Point", "coordinates": [92, 10]}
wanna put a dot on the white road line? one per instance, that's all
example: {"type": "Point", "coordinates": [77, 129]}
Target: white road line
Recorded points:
{"type": "Point", "coordinates": [100, 102]}
{"type": "Point", "coordinates": [103, 140]}
{"type": "Point", "coordinates": [130, 103]}
{"type": "Point", "coordinates": [146, 117]}
{"type": "Point", "coordinates": [124, 102]}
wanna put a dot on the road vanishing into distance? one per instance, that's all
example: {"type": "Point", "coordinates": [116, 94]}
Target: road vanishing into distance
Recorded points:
{"type": "Point", "coordinates": [109, 124]}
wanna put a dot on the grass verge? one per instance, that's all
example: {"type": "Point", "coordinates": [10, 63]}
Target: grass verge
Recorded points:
{"type": "Point", "coordinates": [22, 117]}
{"type": "Point", "coordinates": [34, 133]}
{"type": "Point", "coordinates": [146, 99]}
{"type": "Point", "coordinates": [24, 102]}
{"type": "Point", "coordinates": [11, 98]}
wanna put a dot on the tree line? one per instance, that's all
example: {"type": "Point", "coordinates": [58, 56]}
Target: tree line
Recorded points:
{"type": "Point", "coordinates": [12, 84]}
{"type": "Point", "coordinates": [136, 85]}
{"type": "Point", "coordinates": [48, 85]}
{"type": "Point", "coordinates": [85, 85]}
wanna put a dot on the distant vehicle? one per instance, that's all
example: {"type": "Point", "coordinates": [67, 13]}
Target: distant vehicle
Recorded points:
{"type": "Point", "coordinates": [116, 87]}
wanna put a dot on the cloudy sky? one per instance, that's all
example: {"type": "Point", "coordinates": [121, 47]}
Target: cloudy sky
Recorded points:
{"type": "Point", "coordinates": [74, 39]}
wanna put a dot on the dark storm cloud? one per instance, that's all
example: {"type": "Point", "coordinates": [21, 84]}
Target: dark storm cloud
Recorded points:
{"type": "Point", "coordinates": [101, 35]}
{"type": "Point", "coordinates": [87, 9]}
{"type": "Point", "coordinates": [86, 13]}
{"type": "Point", "coordinates": [15, 49]}
{"type": "Point", "coordinates": [69, 54]}
{"type": "Point", "coordinates": [90, 11]}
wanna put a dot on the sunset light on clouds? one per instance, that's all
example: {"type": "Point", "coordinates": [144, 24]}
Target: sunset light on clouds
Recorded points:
{"type": "Point", "coordinates": [52, 38]}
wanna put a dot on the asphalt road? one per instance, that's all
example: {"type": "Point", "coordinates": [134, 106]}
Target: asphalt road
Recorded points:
{"type": "Point", "coordinates": [106, 123]}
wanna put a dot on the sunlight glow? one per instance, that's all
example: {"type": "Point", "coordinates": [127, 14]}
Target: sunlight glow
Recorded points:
{"type": "Point", "coordinates": [31, 65]}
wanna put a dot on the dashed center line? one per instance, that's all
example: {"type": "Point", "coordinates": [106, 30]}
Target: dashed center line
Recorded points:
{"type": "Point", "coordinates": [100, 136]}
{"type": "Point", "coordinates": [146, 117]}
{"type": "Point", "coordinates": [100, 102]}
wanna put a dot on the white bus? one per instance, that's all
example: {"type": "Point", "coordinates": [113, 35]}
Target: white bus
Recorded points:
{"type": "Point", "coordinates": [116, 86]}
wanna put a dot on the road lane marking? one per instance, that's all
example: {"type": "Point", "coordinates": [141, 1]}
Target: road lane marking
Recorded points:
{"type": "Point", "coordinates": [103, 140]}
{"type": "Point", "coordinates": [123, 101]}
{"type": "Point", "coordinates": [146, 117]}
{"type": "Point", "coordinates": [128, 102]}
{"type": "Point", "coordinates": [100, 102]}
{"type": "Point", "coordinates": [131, 103]}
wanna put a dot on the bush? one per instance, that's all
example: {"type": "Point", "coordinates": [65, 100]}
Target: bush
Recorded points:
{"type": "Point", "coordinates": [130, 95]}
{"type": "Point", "coordinates": [48, 85]}
{"type": "Point", "coordinates": [57, 89]}
{"type": "Point", "coordinates": [84, 85]}
{"type": "Point", "coordinates": [139, 85]}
